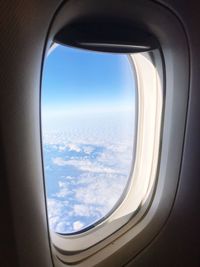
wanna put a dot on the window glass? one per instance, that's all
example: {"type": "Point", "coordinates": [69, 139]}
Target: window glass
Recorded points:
{"type": "Point", "coordinates": [88, 130]}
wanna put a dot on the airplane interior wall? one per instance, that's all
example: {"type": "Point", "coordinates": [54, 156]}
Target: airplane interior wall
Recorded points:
{"type": "Point", "coordinates": [24, 238]}
{"type": "Point", "coordinates": [178, 244]}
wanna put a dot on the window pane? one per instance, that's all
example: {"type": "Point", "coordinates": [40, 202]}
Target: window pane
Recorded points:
{"type": "Point", "coordinates": [88, 127]}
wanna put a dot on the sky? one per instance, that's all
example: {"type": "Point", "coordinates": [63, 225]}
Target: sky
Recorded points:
{"type": "Point", "coordinates": [88, 127]}
{"type": "Point", "coordinates": [81, 81]}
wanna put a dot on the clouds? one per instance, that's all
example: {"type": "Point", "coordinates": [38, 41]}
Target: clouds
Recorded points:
{"type": "Point", "coordinates": [100, 190]}
{"type": "Point", "coordinates": [107, 129]}
{"type": "Point", "coordinates": [58, 220]}
{"type": "Point", "coordinates": [74, 147]}
{"type": "Point", "coordinates": [85, 165]}
{"type": "Point", "coordinates": [64, 190]}
{"type": "Point", "coordinates": [77, 225]}
{"type": "Point", "coordinates": [82, 210]}
{"type": "Point", "coordinates": [59, 161]}
{"type": "Point", "coordinates": [88, 149]}
{"type": "Point", "coordinates": [85, 180]}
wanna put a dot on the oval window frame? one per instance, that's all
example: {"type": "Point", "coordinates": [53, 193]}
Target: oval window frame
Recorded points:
{"type": "Point", "coordinates": [168, 29]}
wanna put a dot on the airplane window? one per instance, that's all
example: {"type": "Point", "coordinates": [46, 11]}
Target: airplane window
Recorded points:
{"type": "Point", "coordinates": [89, 108]}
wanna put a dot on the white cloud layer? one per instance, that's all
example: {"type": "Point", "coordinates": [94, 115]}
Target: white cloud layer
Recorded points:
{"type": "Point", "coordinates": [85, 165]}
{"type": "Point", "coordinates": [101, 158]}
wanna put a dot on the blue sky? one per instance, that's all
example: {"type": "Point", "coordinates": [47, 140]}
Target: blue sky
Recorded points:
{"type": "Point", "coordinates": [81, 81]}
